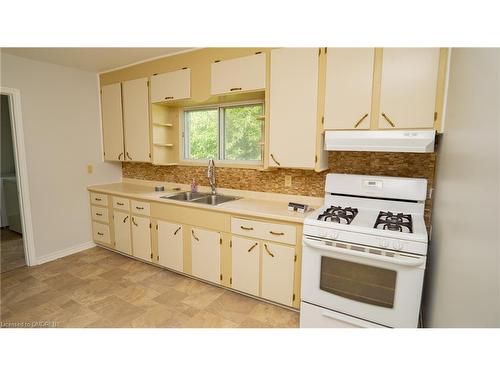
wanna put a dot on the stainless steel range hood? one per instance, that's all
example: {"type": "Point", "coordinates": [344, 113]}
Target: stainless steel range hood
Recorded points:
{"type": "Point", "coordinates": [380, 140]}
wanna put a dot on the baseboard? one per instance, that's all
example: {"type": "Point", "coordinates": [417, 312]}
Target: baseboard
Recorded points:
{"type": "Point", "coordinates": [64, 252]}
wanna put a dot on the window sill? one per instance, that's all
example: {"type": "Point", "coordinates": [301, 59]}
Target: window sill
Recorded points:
{"type": "Point", "coordinates": [222, 164]}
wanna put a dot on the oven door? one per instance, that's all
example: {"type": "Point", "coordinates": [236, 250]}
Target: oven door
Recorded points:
{"type": "Point", "coordinates": [381, 286]}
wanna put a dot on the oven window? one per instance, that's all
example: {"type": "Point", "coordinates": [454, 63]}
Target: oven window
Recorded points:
{"type": "Point", "coordinates": [359, 282]}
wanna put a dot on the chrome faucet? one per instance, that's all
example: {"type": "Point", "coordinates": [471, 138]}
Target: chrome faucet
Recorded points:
{"type": "Point", "coordinates": [211, 176]}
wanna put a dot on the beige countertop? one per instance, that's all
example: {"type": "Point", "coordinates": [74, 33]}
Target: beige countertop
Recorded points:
{"type": "Point", "coordinates": [264, 205]}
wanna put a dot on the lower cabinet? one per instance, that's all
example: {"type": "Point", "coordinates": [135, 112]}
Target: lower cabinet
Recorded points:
{"type": "Point", "coordinates": [170, 245]}
{"type": "Point", "coordinates": [123, 240]}
{"type": "Point", "coordinates": [277, 272]}
{"type": "Point", "coordinates": [205, 254]}
{"type": "Point", "coordinates": [141, 237]}
{"type": "Point", "coordinates": [245, 265]}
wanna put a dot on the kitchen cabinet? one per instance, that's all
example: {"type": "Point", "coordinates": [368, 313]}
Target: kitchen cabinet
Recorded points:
{"type": "Point", "coordinates": [348, 90]}
{"type": "Point", "coordinates": [238, 75]}
{"type": "Point", "coordinates": [277, 273]}
{"type": "Point", "coordinates": [100, 233]}
{"type": "Point", "coordinates": [408, 87]}
{"type": "Point", "coordinates": [171, 86]}
{"type": "Point", "coordinates": [136, 120]}
{"type": "Point", "coordinates": [245, 264]}
{"type": "Point", "coordinates": [170, 245]}
{"type": "Point", "coordinates": [141, 237]}
{"type": "Point", "coordinates": [205, 254]}
{"type": "Point", "coordinates": [121, 225]}
{"type": "Point", "coordinates": [112, 122]}
{"type": "Point", "coordinates": [293, 108]}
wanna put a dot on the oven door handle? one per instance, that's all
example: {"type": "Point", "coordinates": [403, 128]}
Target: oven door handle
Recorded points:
{"type": "Point", "coordinates": [414, 262]}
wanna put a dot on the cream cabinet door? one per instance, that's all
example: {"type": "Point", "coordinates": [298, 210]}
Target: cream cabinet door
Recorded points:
{"type": "Point", "coordinates": [171, 86]}
{"type": "Point", "coordinates": [241, 74]}
{"type": "Point", "coordinates": [141, 237]}
{"type": "Point", "coordinates": [205, 254]}
{"type": "Point", "coordinates": [121, 224]}
{"type": "Point", "coordinates": [349, 83]}
{"type": "Point", "coordinates": [408, 87]}
{"type": "Point", "coordinates": [170, 245]}
{"type": "Point", "coordinates": [293, 107]}
{"type": "Point", "coordinates": [136, 120]}
{"type": "Point", "coordinates": [245, 265]}
{"type": "Point", "coordinates": [278, 273]}
{"type": "Point", "coordinates": [112, 121]}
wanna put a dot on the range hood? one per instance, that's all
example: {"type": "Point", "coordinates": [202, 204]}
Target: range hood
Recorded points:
{"type": "Point", "coordinates": [380, 140]}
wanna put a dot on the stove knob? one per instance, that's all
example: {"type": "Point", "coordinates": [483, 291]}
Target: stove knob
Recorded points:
{"type": "Point", "coordinates": [384, 243]}
{"type": "Point", "coordinates": [397, 245]}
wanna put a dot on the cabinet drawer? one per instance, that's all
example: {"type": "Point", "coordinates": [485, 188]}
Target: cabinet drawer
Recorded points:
{"type": "Point", "coordinates": [121, 203]}
{"type": "Point", "coordinates": [312, 316]}
{"type": "Point", "coordinates": [140, 208]}
{"type": "Point", "coordinates": [100, 213]}
{"type": "Point", "coordinates": [99, 199]}
{"type": "Point", "coordinates": [101, 232]}
{"type": "Point", "coordinates": [264, 230]}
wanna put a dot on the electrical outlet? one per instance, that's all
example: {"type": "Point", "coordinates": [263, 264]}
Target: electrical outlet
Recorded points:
{"type": "Point", "coordinates": [288, 181]}
{"type": "Point", "coordinates": [90, 168]}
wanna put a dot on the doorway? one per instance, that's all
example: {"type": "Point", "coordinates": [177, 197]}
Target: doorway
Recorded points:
{"type": "Point", "coordinates": [12, 253]}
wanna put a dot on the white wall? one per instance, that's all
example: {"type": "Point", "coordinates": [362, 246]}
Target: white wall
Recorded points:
{"type": "Point", "coordinates": [463, 284]}
{"type": "Point", "coordinates": [60, 109]}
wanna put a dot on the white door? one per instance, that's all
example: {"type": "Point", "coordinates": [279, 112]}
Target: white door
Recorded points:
{"type": "Point", "coordinates": [141, 237]}
{"type": "Point", "coordinates": [278, 273]}
{"type": "Point", "coordinates": [171, 86]}
{"type": "Point", "coordinates": [409, 85]}
{"type": "Point", "coordinates": [112, 121]}
{"type": "Point", "coordinates": [245, 265]}
{"type": "Point", "coordinates": [170, 246]}
{"type": "Point", "coordinates": [236, 75]}
{"type": "Point", "coordinates": [121, 224]}
{"type": "Point", "coordinates": [136, 120]}
{"type": "Point", "coordinates": [205, 254]}
{"type": "Point", "coordinates": [349, 81]}
{"type": "Point", "coordinates": [293, 107]}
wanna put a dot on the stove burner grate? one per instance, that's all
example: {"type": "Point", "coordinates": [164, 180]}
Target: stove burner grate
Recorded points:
{"type": "Point", "coordinates": [337, 214]}
{"type": "Point", "coordinates": [394, 222]}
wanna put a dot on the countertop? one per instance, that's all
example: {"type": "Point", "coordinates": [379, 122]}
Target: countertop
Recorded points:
{"type": "Point", "coordinates": [262, 205]}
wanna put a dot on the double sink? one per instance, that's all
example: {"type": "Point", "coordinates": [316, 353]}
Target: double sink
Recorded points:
{"type": "Point", "coordinates": [203, 198]}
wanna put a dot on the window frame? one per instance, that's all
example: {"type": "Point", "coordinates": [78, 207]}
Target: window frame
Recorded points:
{"type": "Point", "coordinates": [221, 126]}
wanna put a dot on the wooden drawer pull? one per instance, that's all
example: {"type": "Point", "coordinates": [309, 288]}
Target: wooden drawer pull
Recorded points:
{"type": "Point", "coordinates": [98, 199]}
{"type": "Point", "coordinates": [120, 204]}
{"type": "Point", "coordinates": [178, 229]}
{"type": "Point", "coordinates": [194, 235]}
{"type": "Point", "coordinates": [267, 249]}
{"type": "Point", "coordinates": [133, 222]}
{"type": "Point", "coordinates": [125, 219]}
{"type": "Point", "coordinates": [246, 228]}
{"type": "Point", "coordinates": [98, 214]}
{"type": "Point", "coordinates": [139, 208]}
{"type": "Point", "coordinates": [277, 233]}
{"type": "Point", "coordinates": [253, 247]}
{"type": "Point", "coordinates": [100, 234]}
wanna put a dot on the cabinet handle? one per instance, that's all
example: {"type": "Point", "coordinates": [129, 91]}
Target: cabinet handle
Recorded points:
{"type": "Point", "coordinates": [253, 247]}
{"type": "Point", "coordinates": [98, 214]}
{"type": "Point", "coordinates": [360, 120]}
{"type": "Point", "coordinates": [267, 249]}
{"type": "Point", "coordinates": [276, 161]}
{"type": "Point", "coordinates": [98, 199]}
{"type": "Point", "coordinates": [128, 155]}
{"type": "Point", "coordinates": [194, 235]}
{"type": "Point", "coordinates": [120, 155]}
{"type": "Point", "coordinates": [246, 228]}
{"type": "Point", "coordinates": [133, 222]}
{"type": "Point", "coordinates": [100, 234]}
{"type": "Point", "coordinates": [388, 120]}
{"type": "Point", "coordinates": [277, 233]}
{"type": "Point", "coordinates": [178, 229]}
{"type": "Point", "coordinates": [139, 207]}
{"type": "Point", "coordinates": [235, 89]}
{"type": "Point", "coordinates": [119, 203]}
{"type": "Point", "coordinates": [125, 219]}
{"type": "Point", "coordinates": [168, 97]}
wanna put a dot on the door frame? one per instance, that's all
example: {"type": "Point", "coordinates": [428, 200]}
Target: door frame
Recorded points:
{"type": "Point", "coordinates": [14, 99]}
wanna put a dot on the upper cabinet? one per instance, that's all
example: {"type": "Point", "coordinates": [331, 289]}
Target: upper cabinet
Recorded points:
{"type": "Point", "coordinates": [293, 108]}
{"type": "Point", "coordinates": [408, 87]}
{"type": "Point", "coordinates": [348, 91]}
{"type": "Point", "coordinates": [238, 75]}
{"type": "Point", "coordinates": [136, 120]}
{"type": "Point", "coordinates": [171, 86]}
{"type": "Point", "coordinates": [112, 122]}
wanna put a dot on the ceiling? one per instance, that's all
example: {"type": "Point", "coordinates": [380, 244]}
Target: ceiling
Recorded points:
{"type": "Point", "coordinates": [92, 59]}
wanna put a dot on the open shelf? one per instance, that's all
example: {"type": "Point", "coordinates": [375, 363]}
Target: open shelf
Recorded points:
{"type": "Point", "coordinates": [165, 134]}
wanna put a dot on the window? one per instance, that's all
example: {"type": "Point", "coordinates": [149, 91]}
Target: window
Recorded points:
{"type": "Point", "coordinates": [230, 133]}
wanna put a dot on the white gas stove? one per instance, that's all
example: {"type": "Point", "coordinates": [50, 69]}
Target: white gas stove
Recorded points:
{"type": "Point", "coordinates": [364, 253]}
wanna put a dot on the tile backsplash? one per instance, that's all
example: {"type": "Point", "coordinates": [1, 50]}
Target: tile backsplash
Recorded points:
{"type": "Point", "coordinates": [303, 182]}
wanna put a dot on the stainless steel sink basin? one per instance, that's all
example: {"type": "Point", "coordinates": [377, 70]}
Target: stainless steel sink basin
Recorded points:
{"type": "Point", "coordinates": [203, 198]}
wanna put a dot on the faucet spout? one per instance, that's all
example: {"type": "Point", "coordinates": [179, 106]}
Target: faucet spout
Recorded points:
{"type": "Point", "coordinates": [211, 176]}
